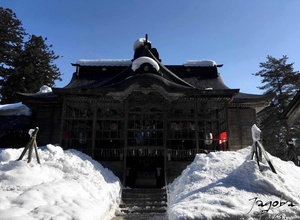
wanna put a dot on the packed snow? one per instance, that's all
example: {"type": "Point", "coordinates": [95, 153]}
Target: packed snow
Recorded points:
{"type": "Point", "coordinates": [104, 62]}
{"type": "Point", "coordinates": [14, 109]}
{"type": "Point", "coordinates": [229, 185]}
{"type": "Point", "coordinates": [219, 185]}
{"type": "Point", "coordinates": [141, 60]}
{"type": "Point", "coordinates": [208, 63]}
{"type": "Point", "coordinates": [45, 89]}
{"type": "Point", "coordinates": [67, 185]}
{"type": "Point", "coordinates": [139, 42]}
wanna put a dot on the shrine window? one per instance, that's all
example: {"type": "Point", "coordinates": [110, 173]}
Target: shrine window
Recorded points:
{"type": "Point", "coordinates": [145, 127]}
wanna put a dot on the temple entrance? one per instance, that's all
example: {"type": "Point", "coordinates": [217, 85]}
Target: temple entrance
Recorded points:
{"type": "Point", "coordinates": [145, 146]}
{"type": "Point", "coordinates": [145, 171]}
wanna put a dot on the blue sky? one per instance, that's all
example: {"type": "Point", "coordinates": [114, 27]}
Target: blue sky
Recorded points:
{"type": "Point", "coordinates": [236, 33]}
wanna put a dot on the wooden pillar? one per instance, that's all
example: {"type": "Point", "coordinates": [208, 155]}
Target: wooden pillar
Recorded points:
{"type": "Point", "coordinates": [240, 126]}
{"type": "Point", "coordinates": [95, 107]}
{"type": "Point", "coordinates": [165, 136]}
{"type": "Point", "coordinates": [62, 122]}
{"type": "Point", "coordinates": [196, 124]}
{"type": "Point", "coordinates": [125, 106]}
{"type": "Point", "coordinates": [228, 130]}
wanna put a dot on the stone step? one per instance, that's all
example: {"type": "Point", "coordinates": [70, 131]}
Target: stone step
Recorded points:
{"type": "Point", "coordinates": [142, 211]}
{"type": "Point", "coordinates": [145, 190]}
{"type": "Point", "coordinates": [144, 206]}
{"type": "Point", "coordinates": [142, 201]}
{"type": "Point", "coordinates": [144, 196]}
{"type": "Point", "coordinates": [139, 216]}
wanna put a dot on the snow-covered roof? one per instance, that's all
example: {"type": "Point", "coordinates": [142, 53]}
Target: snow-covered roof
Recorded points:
{"type": "Point", "coordinates": [210, 63]}
{"type": "Point", "coordinates": [104, 62]}
{"type": "Point", "coordinates": [127, 62]}
{"type": "Point", "coordinates": [141, 60]}
{"type": "Point", "coordinates": [14, 109]}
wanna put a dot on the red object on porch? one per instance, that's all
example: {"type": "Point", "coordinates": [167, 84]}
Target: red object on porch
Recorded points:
{"type": "Point", "coordinates": [223, 142]}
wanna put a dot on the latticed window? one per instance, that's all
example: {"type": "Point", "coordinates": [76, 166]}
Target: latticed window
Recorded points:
{"type": "Point", "coordinates": [145, 127]}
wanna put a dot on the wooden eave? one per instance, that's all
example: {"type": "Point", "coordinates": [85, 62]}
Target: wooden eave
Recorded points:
{"type": "Point", "coordinates": [42, 98]}
{"type": "Point", "coordinates": [251, 100]}
{"type": "Point", "coordinates": [292, 113]}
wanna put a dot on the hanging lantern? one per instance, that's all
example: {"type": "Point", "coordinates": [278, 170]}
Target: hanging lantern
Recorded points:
{"type": "Point", "coordinates": [208, 139]}
{"type": "Point", "coordinates": [82, 137]}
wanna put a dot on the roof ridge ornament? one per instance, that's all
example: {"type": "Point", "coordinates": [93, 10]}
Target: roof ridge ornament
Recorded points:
{"type": "Point", "coordinates": [142, 47]}
{"type": "Point", "coordinates": [138, 62]}
{"type": "Point", "coordinates": [141, 42]}
{"type": "Point", "coordinates": [146, 42]}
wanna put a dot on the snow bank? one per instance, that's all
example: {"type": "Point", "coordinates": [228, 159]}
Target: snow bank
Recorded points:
{"type": "Point", "coordinates": [68, 185]}
{"type": "Point", "coordinates": [228, 185]}
{"type": "Point", "coordinates": [14, 109]}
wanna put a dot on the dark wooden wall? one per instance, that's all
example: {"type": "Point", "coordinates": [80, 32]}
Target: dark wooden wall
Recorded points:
{"type": "Point", "coordinates": [240, 121]}
{"type": "Point", "coordinates": [48, 119]}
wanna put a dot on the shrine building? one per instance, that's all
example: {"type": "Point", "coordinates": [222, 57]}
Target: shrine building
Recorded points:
{"type": "Point", "coordinates": [142, 119]}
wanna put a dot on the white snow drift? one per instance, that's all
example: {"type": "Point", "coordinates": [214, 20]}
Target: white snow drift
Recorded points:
{"type": "Point", "coordinates": [67, 185]}
{"type": "Point", "coordinates": [221, 185]}
{"type": "Point", "coordinates": [228, 185]}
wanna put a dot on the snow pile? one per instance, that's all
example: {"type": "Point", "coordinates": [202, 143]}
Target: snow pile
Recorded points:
{"type": "Point", "coordinates": [45, 89]}
{"type": "Point", "coordinates": [14, 109]}
{"type": "Point", "coordinates": [209, 63]}
{"type": "Point", "coordinates": [68, 185]}
{"type": "Point", "coordinates": [139, 42]}
{"type": "Point", "coordinates": [104, 62]}
{"type": "Point", "coordinates": [228, 185]}
{"type": "Point", "coordinates": [141, 60]}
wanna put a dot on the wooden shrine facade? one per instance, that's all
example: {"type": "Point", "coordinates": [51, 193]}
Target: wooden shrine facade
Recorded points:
{"type": "Point", "coordinates": [141, 125]}
{"type": "Point", "coordinates": [144, 120]}
{"type": "Point", "coordinates": [144, 126]}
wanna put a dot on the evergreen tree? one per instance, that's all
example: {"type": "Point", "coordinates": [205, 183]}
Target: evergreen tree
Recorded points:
{"type": "Point", "coordinates": [11, 40]}
{"type": "Point", "coordinates": [279, 78]}
{"type": "Point", "coordinates": [36, 67]}
{"type": "Point", "coordinates": [25, 66]}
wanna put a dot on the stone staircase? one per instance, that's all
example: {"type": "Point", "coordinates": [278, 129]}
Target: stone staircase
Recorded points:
{"type": "Point", "coordinates": [142, 204]}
